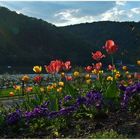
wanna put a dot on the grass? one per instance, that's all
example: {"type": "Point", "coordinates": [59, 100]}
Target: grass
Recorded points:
{"type": "Point", "coordinates": [5, 92]}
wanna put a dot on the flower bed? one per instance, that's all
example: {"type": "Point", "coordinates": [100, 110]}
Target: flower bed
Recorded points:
{"type": "Point", "coordinates": [76, 105]}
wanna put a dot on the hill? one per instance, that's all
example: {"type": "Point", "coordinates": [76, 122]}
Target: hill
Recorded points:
{"type": "Point", "coordinates": [27, 41]}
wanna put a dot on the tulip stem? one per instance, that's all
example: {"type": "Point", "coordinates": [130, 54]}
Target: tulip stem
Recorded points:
{"type": "Point", "coordinates": [112, 59]}
{"type": "Point", "coordinates": [22, 87]}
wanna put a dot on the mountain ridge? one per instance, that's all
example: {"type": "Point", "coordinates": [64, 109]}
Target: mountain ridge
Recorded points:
{"type": "Point", "coordinates": [29, 41]}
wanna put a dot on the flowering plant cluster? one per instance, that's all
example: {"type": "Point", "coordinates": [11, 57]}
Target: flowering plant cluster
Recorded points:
{"type": "Point", "coordinates": [62, 95]}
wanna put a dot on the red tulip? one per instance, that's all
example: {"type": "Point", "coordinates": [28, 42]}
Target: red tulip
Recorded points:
{"type": "Point", "coordinates": [110, 47]}
{"type": "Point", "coordinates": [67, 65]}
{"type": "Point", "coordinates": [88, 68]}
{"type": "Point", "coordinates": [136, 75]}
{"type": "Point", "coordinates": [68, 78]}
{"type": "Point", "coordinates": [38, 79]}
{"type": "Point", "coordinates": [110, 67]}
{"type": "Point", "coordinates": [54, 67]}
{"type": "Point", "coordinates": [97, 55]}
{"type": "Point", "coordinates": [98, 66]}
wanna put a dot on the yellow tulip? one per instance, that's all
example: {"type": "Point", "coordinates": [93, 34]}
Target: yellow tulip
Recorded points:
{"type": "Point", "coordinates": [62, 74]}
{"type": "Point", "coordinates": [127, 72]}
{"type": "Point", "coordinates": [109, 78]}
{"type": "Point", "coordinates": [76, 74]}
{"type": "Point", "coordinates": [138, 62]}
{"type": "Point", "coordinates": [129, 76]}
{"type": "Point", "coordinates": [61, 84]}
{"type": "Point", "coordinates": [88, 81]}
{"type": "Point", "coordinates": [54, 85]}
{"type": "Point", "coordinates": [101, 72]}
{"type": "Point", "coordinates": [59, 89]}
{"type": "Point", "coordinates": [87, 76]}
{"type": "Point", "coordinates": [37, 69]}
{"type": "Point", "coordinates": [117, 75]}
{"type": "Point", "coordinates": [17, 87]}
{"type": "Point", "coordinates": [49, 88]}
{"type": "Point", "coordinates": [114, 70]}
{"type": "Point", "coordinates": [125, 68]}
{"type": "Point", "coordinates": [42, 89]}
{"type": "Point", "coordinates": [94, 71]}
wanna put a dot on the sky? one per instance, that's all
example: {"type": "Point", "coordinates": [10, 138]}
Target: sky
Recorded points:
{"type": "Point", "coordinates": [62, 13]}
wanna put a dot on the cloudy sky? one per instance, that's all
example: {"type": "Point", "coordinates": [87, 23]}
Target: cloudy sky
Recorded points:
{"type": "Point", "coordinates": [63, 13]}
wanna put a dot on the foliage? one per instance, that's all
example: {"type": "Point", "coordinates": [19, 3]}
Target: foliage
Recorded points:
{"type": "Point", "coordinates": [107, 134]}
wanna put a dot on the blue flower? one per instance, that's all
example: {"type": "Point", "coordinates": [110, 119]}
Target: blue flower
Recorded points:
{"type": "Point", "coordinates": [14, 117]}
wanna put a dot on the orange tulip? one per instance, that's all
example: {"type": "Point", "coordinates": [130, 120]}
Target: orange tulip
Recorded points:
{"type": "Point", "coordinates": [25, 78]}
{"type": "Point", "coordinates": [29, 89]}
{"type": "Point", "coordinates": [11, 94]}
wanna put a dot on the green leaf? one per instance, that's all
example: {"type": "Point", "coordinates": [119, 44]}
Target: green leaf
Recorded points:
{"type": "Point", "coordinates": [112, 91]}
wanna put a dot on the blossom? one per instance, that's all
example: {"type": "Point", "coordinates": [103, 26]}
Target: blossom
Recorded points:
{"type": "Point", "coordinates": [95, 71]}
{"type": "Point", "coordinates": [98, 66]}
{"type": "Point", "coordinates": [17, 87]}
{"type": "Point", "coordinates": [14, 117]}
{"type": "Point", "coordinates": [81, 100]}
{"type": "Point", "coordinates": [59, 89]}
{"type": "Point", "coordinates": [67, 98]}
{"type": "Point", "coordinates": [136, 75]}
{"type": "Point", "coordinates": [38, 79]}
{"type": "Point", "coordinates": [25, 78]}
{"type": "Point", "coordinates": [117, 75]}
{"type": "Point", "coordinates": [11, 94]}
{"type": "Point", "coordinates": [87, 76]}
{"type": "Point", "coordinates": [29, 89]}
{"type": "Point", "coordinates": [54, 85]}
{"type": "Point", "coordinates": [67, 65]}
{"type": "Point", "coordinates": [110, 67]}
{"type": "Point", "coordinates": [68, 78]}
{"type": "Point", "coordinates": [66, 111]}
{"type": "Point", "coordinates": [62, 74]}
{"type": "Point", "coordinates": [54, 67]}
{"type": "Point", "coordinates": [125, 68]}
{"type": "Point", "coordinates": [129, 76]}
{"type": "Point", "coordinates": [110, 47]}
{"type": "Point", "coordinates": [42, 89]}
{"type": "Point", "coordinates": [88, 81]}
{"type": "Point", "coordinates": [49, 88]}
{"type": "Point", "coordinates": [88, 68]}
{"type": "Point", "coordinates": [61, 84]}
{"type": "Point", "coordinates": [94, 98]}
{"type": "Point", "coordinates": [138, 62]}
{"type": "Point", "coordinates": [37, 69]}
{"type": "Point", "coordinates": [127, 72]}
{"type": "Point", "coordinates": [109, 78]}
{"type": "Point", "coordinates": [97, 55]}
{"type": "Point", "coordinates": [76, 74]}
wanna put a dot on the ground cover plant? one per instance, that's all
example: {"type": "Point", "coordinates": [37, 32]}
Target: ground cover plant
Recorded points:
{"type": "Point", "coordinates": [96, 103]}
